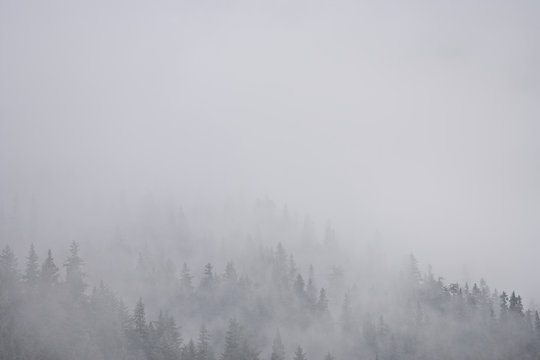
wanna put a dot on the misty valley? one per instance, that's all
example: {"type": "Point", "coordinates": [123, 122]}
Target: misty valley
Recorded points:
{"type": "Point", "coordinates": [169, 293]}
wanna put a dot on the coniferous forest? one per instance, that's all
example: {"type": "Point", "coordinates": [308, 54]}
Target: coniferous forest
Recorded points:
{"type": "Point", "coordinates": [262, 305]}
{"type": "Point", "coordinates": [269, 180]}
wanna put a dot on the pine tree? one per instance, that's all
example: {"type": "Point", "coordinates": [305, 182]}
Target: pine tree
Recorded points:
{"type": "Point", "coordinates": [278, 350]}
{"type": "Point", "coordinates": [74, 274]}
{"type": "Point", "coordinates": [10, 345]}
{"type": "Point", "coordinates": [139, 322]}
{"type": "Point", "coordinates": [413, 274]}
{"type": "Point", "coordinates": [503, 306]}
{"type": "Point", "coordinates": [311, 290]}
{"type": "Point", "coordinates": [8, 265]}
{"type": "Point", "coordinates": [189, 352]}
{"type": "Point", "coordinates": [346, 315]}
{"type": "Point", "coordinates": [233, 340]}
{"type": "Point", "coordinates": [49, 270]}
{"type": "Point", "coordinates": [281, 258]}
{"type": "Point", "coordinates": [322, 303]}
{"type": "Point", "coordinates": [204, 352]}
{"type": "Point", "coordinates": [31, 275]}
{"type": "Point", "coordinates": [537, 325]}
{"type": "Point", "coordinates": [230, 273]}
{"type": "Point", "coordinates": [292, 267]}
{"type": "Point", "coordinates": [329, 356]}
{"type": "Point", "coordinates": [299, 287]}
{"type": "Point", "coordinates": [186, 283]}
{"type": "Point", "coordinates": [299, 354]}
{"type": "Point", "coordinates": [207, 282]}
{"type": "Point", "coordinates": [515, 305]}
{"type": "Point", "coordinates": [168, 338]}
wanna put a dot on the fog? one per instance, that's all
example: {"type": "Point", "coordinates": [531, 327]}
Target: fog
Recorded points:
{"type": "Point", "coordinates": [408, 127]}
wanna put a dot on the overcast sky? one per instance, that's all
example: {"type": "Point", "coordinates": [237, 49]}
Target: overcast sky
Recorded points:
{"type": "Point", "coordinates": [418, 120]}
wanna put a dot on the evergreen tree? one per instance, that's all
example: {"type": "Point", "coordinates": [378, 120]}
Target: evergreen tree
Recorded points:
{"type": "Point", "coordinates": [186, 282]}
{"type": "Point", "coordinates": [292, 267]}
{"type": "Point", "coordinates": [299, 354]}
{"type": "Point", "coordinates": [207, 282]}
{"type": "Point", "coordinates": [346, 315]}
{"type": "Point", "coordinates": [503, 306]}
{"type": "Point", "coordinates": [322, 303]}
{"type": "Point", "coordinates": [537, 325]}
{"type": "Point", "coordinates": [413, 274]}
{"type": "Point", "coordinates": [233, 340]}
{"type": "Point", "coordinates": [31, 275]}
{"type": "Point", "coordinates": [49, 270]}
{"type": "Point", "coordinates": [311, 290]}
{"type": "Point", "coordinates": [8, 265]}
{"type": "Point", "coordinates": [168, 338]}
{"type": "Point", "coordinates": [299, 287]}
{"type": "Point", "coordinates": [236, 345]}
{"type": "Point", "coordinates": [329, 356]}
{"type": "Point", "coordinates": [204, 351]}
{"type": "Point", "coordinates": [278, 350]}
{"type": "Point", "coordinates": [515, 305]}
{"type": "Point", "coordinates": [74, 274]}
{"type": "Point", "coordinates": [230, 275]}
{"type": "Point", "coordinates": [140, 325]}
{"type": "Point", "coordinates": [189, 352]}
{"type": "Point", "coordinates": [281, 258]}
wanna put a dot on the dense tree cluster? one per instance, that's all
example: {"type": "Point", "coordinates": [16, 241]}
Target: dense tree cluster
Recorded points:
{"type": "Point", "coordinates": [48, 315]}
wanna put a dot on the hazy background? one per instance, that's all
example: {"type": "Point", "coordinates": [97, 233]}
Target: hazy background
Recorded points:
{"type": "Point", "coordinates": [420, 122]}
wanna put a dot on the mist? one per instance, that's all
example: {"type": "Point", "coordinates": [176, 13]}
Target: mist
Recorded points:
{"type": "Point", "coordinates": [206, 131]}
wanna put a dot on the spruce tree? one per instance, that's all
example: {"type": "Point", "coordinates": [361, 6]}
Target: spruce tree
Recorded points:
{"type": "Point", "coordinates": [299, 287]}
{"type": "Point", "coordinates": [329, 356]}
{"type": "Point", "coordinates": [233, 340]}
{"type": "Point", "coordinates": [139, 323]}
{"type": "Point", "coordinates": [346, 315]}
{"type": "Point", "coordinates": [204, 352]}
{"type": "Point", "coordinates": [31, 274]}
{"type": "Point", "coordinates": [168, 338]}
{"type": "Point", "coordinates": [537, 326]}
{"type": "Point", "coordinates": [49, 270]}
{"type": "Point", "coordinates": [8, 265]}
{"type": "Point", "coordinates": [299, 354]}
{"type": "Point", "coordinates": [189, 351]}
{"type": "Point", "coordinates": [503, 306]}
{"type": "Point", "coordinates": [186, 282]}
{"type": "Point", "coordinates": [322, 303]}
{"type": "Point", "coordinates": [207, 282]}
{"type": "Point", "coordinates": [230, 275]}
{"type": "Point", "coordinates": [74, 274]}
{"type": "Point", "coordinates": [278, 350]}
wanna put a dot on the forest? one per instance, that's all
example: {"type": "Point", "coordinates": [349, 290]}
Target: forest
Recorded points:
{"type": "Point", "coordinates": [269, 180]}
{"type": "Point", "coordinates": [272, 309]}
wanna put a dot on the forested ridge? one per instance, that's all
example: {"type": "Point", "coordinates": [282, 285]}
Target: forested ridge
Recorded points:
{"type": "Point", "coordinates": [49, 311]}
